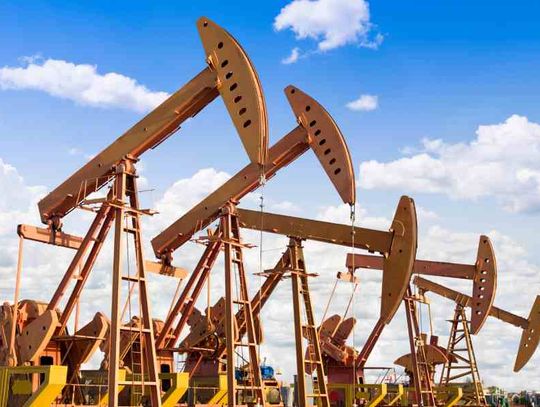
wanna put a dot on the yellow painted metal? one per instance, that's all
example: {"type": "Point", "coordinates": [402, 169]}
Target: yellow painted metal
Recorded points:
{"type": "Point", "coordinates": [21, 387]}
{"type": "Point", "coordinates": [374, 398]}
{"type": "Point", "coordinates": [397, 397]}
{"type": "Point", "coordinates": [121, 377]}
{"type": "Point", "coordinates": [4, 386]}
{"type": "Point", "coordinates": [53, 381]}
{"type": "Point", "coordinates": [453, 394]}
{"type": "Point", "coordinates": [179, 386]}
{"type": "Point", "coordinates": [347, 388]}
{"type": "Point", "coordinates": [363, 391]}
{"type": "Point", "coordinates": [220, 398]}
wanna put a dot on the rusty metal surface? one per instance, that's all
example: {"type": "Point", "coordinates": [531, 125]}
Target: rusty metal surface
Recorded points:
{"type": "Point", "coordinates": [326, 140]}
{"type": "Point", "coordinates": [326, 232]}
{"type": "Point", "coordinates": [286, 150]}
{"type": "Point", "coordinates": [329, 326]}
{"type": "Point", "coordinates": [344, 330]}
{"type": "Point", "coordinates": [165, 270]}
{"type": "Point", "coordinates": [530, 337]}
{"type": "Point", "coordinates": [36, 335]}
{"type": "Point", "coordinates": [87, 340]}
{"type": "Point", "coordinates": [229, 65]}
{"type": "Point", "coordinates": [466, 301]}
{"type": "Point", "coordinates": [398, 266]}
{"type": "Point", "coordinates": [239, 87]}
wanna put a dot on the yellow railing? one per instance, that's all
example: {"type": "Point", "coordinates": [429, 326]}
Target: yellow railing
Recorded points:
{"type": "Point", "coordinates": [52, 380]}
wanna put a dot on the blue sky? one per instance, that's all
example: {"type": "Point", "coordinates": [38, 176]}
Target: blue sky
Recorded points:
{"type": "Point", "coordinates": [441, 70]}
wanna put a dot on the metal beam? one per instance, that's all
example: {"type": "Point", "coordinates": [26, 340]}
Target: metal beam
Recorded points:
{"type": "Point", "coordinates": [320, 133]}
{"type": "Point", "coordinates": [425, 267]}
{"type": "Point", "coordinates": [147, 133]}
{"type": "Point", "coordinates": [483, 273]}
{"type": "Point", "coordinates": [466, 301]}
{"type": "Point", "coordinates": [398, 246]}
{"type": "Point", "coordinates": [200, 216]}
{"type": "Point", "coordinates": [326, 232]}
{"type": "Point", "coordinates": [49, 236]}
{"type": "Point", "coordinates": [230, 74]}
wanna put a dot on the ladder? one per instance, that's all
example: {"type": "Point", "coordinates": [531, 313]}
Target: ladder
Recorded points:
{"type": "Point", "coordinates": [300, 287]}
{"type": "Point", "coordinates": [464, 365]}
{"type": "Point", "coordinates": [421, 372]}
{"type": "Point", "coordinates": [125, 205]}
{"type": "Point", "coordinates": [253, 386]}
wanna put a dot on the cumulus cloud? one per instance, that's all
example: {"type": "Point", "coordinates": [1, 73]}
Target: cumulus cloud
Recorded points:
{"type": "Point", "coordinates": [332, 23]}
{"type": "Point", "coordinates": [499, 341]}
{"type": "Point", "coordinates": [81, 83]}
{"type": "Point", "coordinates": [186, 193]}
{"type": "Point", "coordinates": [500, 162]}
{"type": "Point", "coordinates": [365, 103]}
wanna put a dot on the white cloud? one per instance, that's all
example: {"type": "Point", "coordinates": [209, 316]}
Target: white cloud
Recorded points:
{"type": "Point", "coordinates": [426, 215]}
{"type": "Point", "coordinates": [293, 57]}
{"type": "Point", "coordinates": [80, 83]}
{"type": "Point", "coordinates": [364, 103]}
{"type": "Point", "coordinates": [186, 193]}
{"type": "Point", "coordinates": [517, 277]}
{"type": "Point", "coordinates": [501, 162]}
{"type": "Point", "coordinates": [332, 23]}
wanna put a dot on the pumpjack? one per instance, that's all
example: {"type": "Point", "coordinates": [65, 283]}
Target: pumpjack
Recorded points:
{"type": "Point", "coordinates": [42, 359]}
{"type": "Point", "coordinates": [213, 340]}
{"type": "Point", "coordinates": [484, 276]}
{"type": "Point", "coordinates": [398, 248]}
{"type": "Point", "coordinates": [460, 382]}
{"type": "Point", "coordinates": [36, 334]}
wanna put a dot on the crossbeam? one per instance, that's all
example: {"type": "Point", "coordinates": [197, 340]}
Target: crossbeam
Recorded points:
{"type": "Point", "coordinates": [326, 232]}
{"type": "Point", "coordinates": [49, 236]}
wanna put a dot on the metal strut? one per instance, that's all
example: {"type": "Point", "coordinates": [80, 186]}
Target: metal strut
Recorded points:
{"type": "Point", "coordinates": [464, 364]}
{"type": "Point", "coordinates": [421, 374]}
{"type": "Point", "coordinates": [232, 244]}
{"type": "Point", "coordinates": [125, 205]}
{"type": "Point", "coordinates": [300, 288]}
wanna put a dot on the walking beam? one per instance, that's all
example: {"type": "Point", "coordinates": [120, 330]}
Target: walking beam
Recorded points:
{"type": "Point", "coordinates": [483, 273]}
{"type": "Point", "coordinates": [398, 245]}
{"type": "Point", "coordinates": [316, 130]}
{"type": "Point", "coordinates": [229, 73]}
{"type": "Point", "coordinates": [530, 337]}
